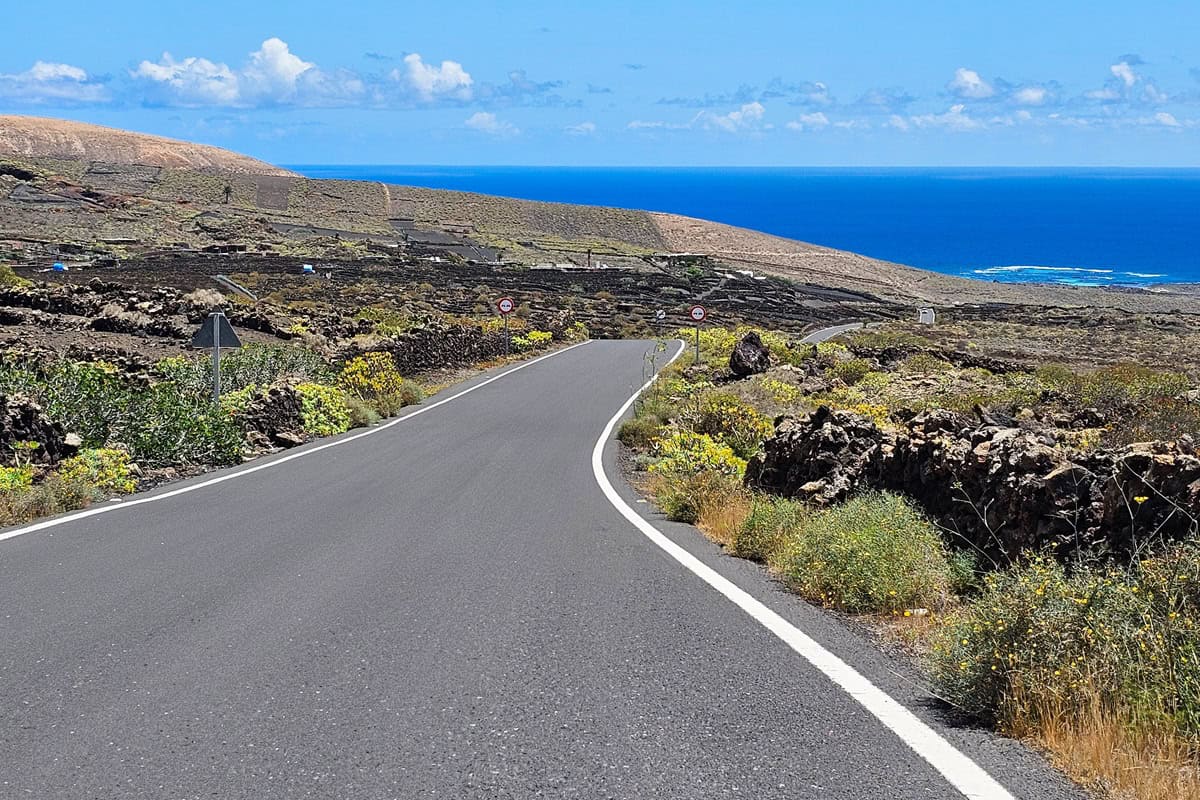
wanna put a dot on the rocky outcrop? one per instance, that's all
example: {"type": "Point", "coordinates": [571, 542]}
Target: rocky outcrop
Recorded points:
{"type": "Point", "coordinates": [750, 356]}
{"type": "Point", "coordinates": [1001, 489]}
{"type": "Point", "coordinates": [22, 420]}
{"type": "Point", "coordinates": [274, 418]}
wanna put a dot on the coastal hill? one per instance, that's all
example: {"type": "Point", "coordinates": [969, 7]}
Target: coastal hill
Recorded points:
{"type": "Point", "coordinates": [39, 137]}
{"type": "Point", "coordinates": [95, 195]}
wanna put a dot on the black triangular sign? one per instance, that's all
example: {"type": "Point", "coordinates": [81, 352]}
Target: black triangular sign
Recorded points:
{"type": "Point", "coordinates": [204, 336]}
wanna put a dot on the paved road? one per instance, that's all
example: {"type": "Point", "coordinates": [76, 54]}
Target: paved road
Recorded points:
{"type": "Point", "coordinates": [450, 608]}
{"type": "Point", "coordinates": [826, 334]}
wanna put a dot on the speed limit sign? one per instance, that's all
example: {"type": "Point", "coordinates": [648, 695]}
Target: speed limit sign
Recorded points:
{"type": "Point", "coordinates": [505, 305]}
{"type": "Point", "coordinates": [698, 313]}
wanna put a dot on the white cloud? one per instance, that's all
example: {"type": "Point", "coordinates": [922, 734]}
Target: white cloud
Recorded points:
{"type": "Point", "coordinates": [486, 122]}
{"type": "Point", "coordinates": [1164, 118]}
{"type": "Point", "coordinates": [956, 119]}
{"type": "Point", "coordinates": [745, 118]}
{"type": "Point", "coordinates": [1030, 96]}
{"type": "Point", "coordinates": [807, 122]}
{"type": "Point", "coordinates": [274, 70]}
{"type": "Point", "coordinates": [1125, 73]}
{"type": "Point", "coordinates": [447, 81]}
{"type": "Point", "coordinates": [968, 85]}
{"type": "Point", "coordinates": [582, 129]}
{"type": "Point", "coordinates": [1107, 93]}
{"type": "Point", "coordinates": [47, 81]}
{"type": "Point", "coordinates": [192, 81]}
{"type": "Point", "coordinates": [273, 76]}
{"type": "Point", "coordinates": [898, 122]}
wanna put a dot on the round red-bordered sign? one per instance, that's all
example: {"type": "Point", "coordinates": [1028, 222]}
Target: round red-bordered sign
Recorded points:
{"type": "Point", "coordinates": [698, 314]}
{"type": "Point", "coordinates": [506, 305]}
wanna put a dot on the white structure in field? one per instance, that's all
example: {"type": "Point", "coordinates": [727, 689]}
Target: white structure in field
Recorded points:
{"type": "Point", "coordinates": [927, 316]}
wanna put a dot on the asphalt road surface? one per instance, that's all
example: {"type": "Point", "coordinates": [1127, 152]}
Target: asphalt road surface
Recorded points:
{"type": "Point", "coordinates": [447, 607]}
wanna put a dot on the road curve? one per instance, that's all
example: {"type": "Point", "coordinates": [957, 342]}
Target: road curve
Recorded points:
{"type": "Point", "coordinates": [825, 334]}
{"type": "Point", "coordinates": [446, 608]}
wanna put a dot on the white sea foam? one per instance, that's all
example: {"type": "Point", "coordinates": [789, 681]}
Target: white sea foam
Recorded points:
{"type": "Point", "coordinates": [1024, 268]}
{"type": "Point", "coordinates": [1075, 276]}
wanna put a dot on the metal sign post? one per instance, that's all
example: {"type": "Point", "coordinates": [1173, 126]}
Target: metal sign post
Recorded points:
{"type": "Point", "coordinates": [216, 332]}
{"type": "Point", "coordinates": [698, 315]}
{"type": "Point", "coordinates": [216, 362]}
{"type": "Point", "coordinates": [506, 305]}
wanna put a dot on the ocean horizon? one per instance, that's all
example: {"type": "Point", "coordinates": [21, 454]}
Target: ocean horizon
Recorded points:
{"type": "Point", "coordinates": [1082, 226]}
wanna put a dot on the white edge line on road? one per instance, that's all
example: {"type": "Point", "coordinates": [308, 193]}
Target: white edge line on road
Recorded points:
{"type": "Point", "coordinates": [963, 774]}
{"type": "Point", "coordinates": [238, 473]}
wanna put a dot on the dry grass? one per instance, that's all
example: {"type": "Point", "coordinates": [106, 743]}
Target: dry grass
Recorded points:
{"type": "Point", "coordinates": [721, 521]}
{"type": "Point", "coordinates": [1103, 752]}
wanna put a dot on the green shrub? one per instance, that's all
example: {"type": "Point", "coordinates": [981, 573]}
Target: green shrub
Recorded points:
{"type": "Point", "coordinates": [161, 424]}
{"type": "Point", "coordinates": [1115, 387]}
{"type": "Point", "coordinates": [170, 427]}
{"type": "Point", "coordinates": [875, 552]}
{"type": "Point", "coordinates": [10, 278]}
{"type": "Point", "coordinates": [925, 364]}
{"type": "Point", "coordinates": [1041, 641]}
{"type": "Point", "coordinates": [107, 470]}
{"type": "Point", "coordinates": [251, 365]}
{"type": "Point", "coordinates": [235, 402]}
{"type": "Point", "coordinates": [640, 432]}
{"type": "Point", "coordinates": [850, 371]}
{"type": "Point", "coordinates": [388, 321]}
{"type": "Point", "coordinates": [773, 522]}
{"type": "Point", "coordinates": [362, 413]}
{"type": "Point", "coordinates": [323, 411]}
{"type": "Point", "coordinates": [729, 420]}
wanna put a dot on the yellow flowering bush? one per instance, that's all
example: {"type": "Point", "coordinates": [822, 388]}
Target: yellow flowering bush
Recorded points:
{"type": "Point", "coordinates": [687, 452]}
{"type": "Point", "coordinates": [373, 379]}
{"type": "Point", "coordinates": [106, 469]}
{"type": "Point", "coordinates": [782, 393]}
{"type": "Point", "coordinates": [533, 340]}
{"type": "Point", "coordinates": [323, 411]}
{"type": "Point", "coordinates": [14, 479]}
{"type": "Point", "coordinates": [729, 420]}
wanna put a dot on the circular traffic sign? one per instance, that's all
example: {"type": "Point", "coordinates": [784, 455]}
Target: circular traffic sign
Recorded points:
{"type": "Point", "coordinates": [505, 305]}
{"type": "Point", "coordinates": [660, 315]}
{"type": "Point", "coordinates": [698, 313]}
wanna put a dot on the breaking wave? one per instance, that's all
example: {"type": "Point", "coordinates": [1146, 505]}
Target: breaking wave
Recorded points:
{"type": "Point", "coordinates": [1077, 276]}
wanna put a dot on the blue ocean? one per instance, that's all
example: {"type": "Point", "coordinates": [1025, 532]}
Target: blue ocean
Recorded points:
{"type": "Point", "coordinates": [1084, 226]}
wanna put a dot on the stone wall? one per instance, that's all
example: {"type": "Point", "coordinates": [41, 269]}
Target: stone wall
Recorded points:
{"type": "Point", "coordinates": [997, 488]}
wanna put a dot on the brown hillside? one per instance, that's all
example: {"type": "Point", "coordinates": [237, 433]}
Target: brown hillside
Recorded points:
{"type": "Point", "coordinates": [40, 137]}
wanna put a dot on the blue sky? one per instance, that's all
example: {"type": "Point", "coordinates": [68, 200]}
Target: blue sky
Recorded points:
{"type": "Point", "coordinates": [1107, 82]}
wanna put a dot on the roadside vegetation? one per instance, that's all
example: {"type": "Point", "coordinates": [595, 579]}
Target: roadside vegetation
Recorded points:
{"type": "Point", "coordinates": [80, 432]}
{"type": "Point", "coordinates": [1095, 656]}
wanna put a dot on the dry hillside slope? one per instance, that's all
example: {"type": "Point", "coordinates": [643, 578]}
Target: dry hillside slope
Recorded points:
{"type": "Point", "coordinates": [40, 137]}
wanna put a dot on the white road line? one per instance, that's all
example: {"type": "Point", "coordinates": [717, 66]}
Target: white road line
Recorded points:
{"type": "Point", "coordinates": [228, 476]}
{"type": "Point", "coordinates": [963, 774]}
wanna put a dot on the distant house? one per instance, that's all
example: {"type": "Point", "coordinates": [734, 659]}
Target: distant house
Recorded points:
{"type": "Point", "coordinates": [926, 316]}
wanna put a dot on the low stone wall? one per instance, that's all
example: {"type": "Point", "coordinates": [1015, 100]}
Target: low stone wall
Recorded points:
{"type": "Point", "coordinates": [999, 489]}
